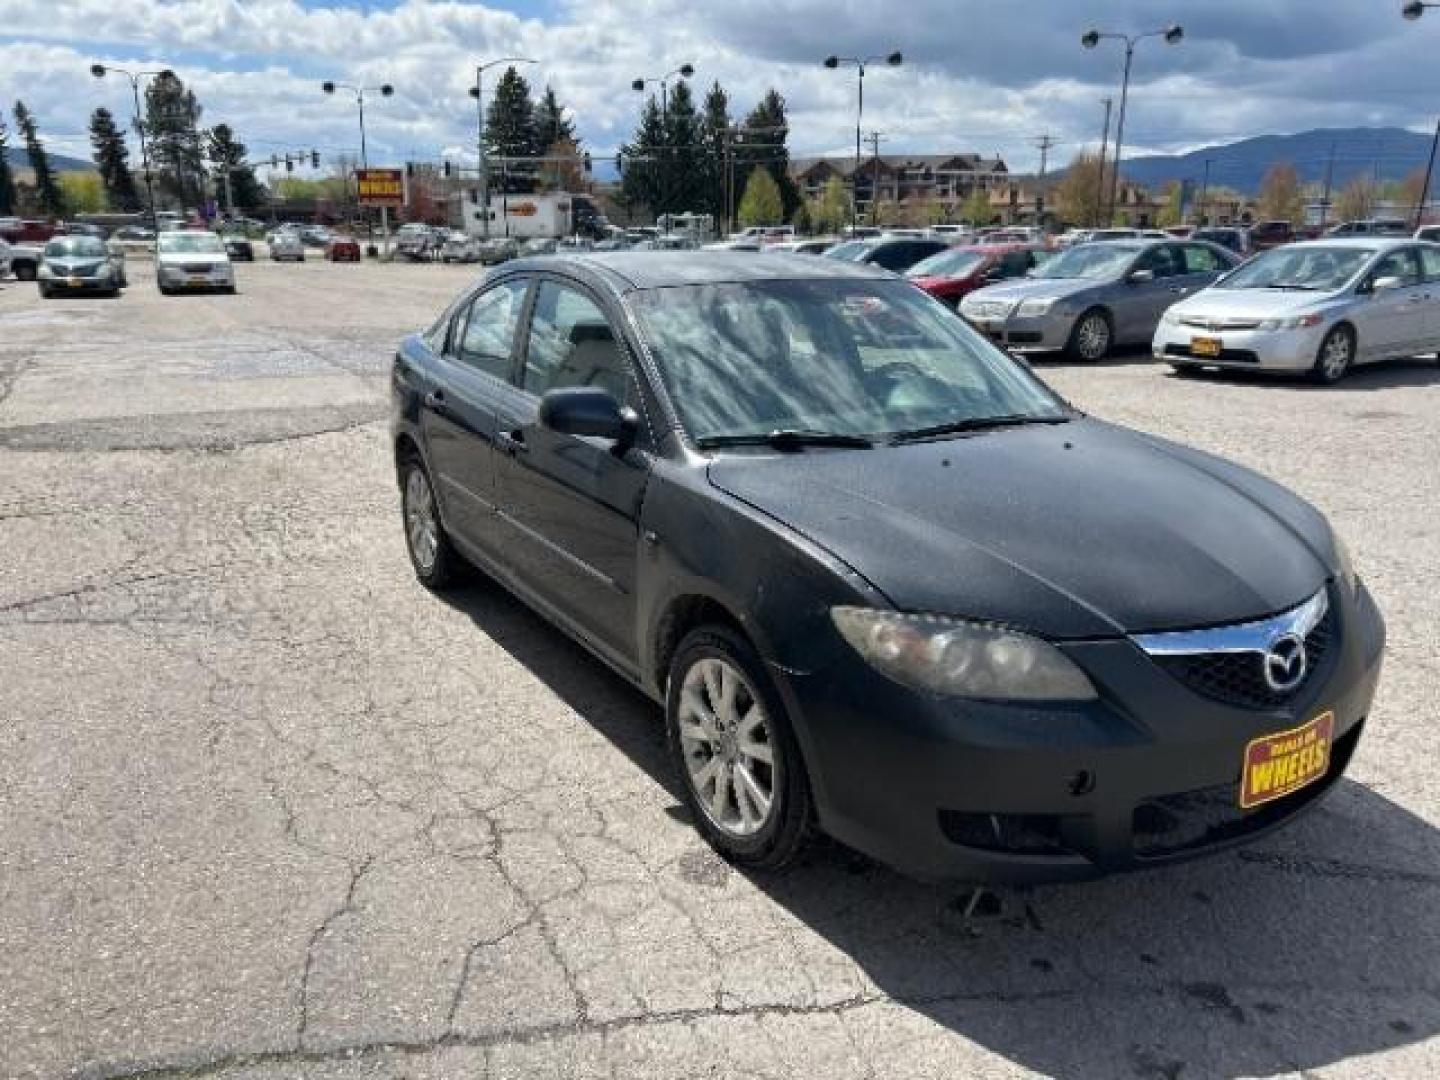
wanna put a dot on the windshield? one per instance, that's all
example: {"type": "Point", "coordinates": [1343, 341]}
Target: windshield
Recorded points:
{"type": "Point", "coordinates": [189, 243]}
{"type": "Point", "coordinates": [1321, 268]}
{"type": "Point", "coordinates": [851, 250]}
{"type": "Point", "coordinates": [1097, 262]}
{"type": "Point", "coordinates": [75, 245]}
{"type": "Point", "coordinates": [952, 263]}
{"type": "Point", "coordinates": [845, 357]}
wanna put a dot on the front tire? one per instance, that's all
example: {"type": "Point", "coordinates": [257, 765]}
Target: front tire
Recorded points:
{"type": "Point", "coordinates": [730, 738]}
{"type": "Point", "coordinates": [435, 562]}
{"type": "Point", "coordinates": [1092, 336]}
{"type": "Point", "coordinates": [1337, 353]}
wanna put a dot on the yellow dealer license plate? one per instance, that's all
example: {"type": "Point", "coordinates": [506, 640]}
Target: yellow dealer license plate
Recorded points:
{"type": "Point", "coordinates": [1205, 346]}
{"type": "Point", "coordinates": [1281, 764]}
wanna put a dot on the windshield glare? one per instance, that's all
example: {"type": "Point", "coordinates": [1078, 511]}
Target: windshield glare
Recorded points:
{"type": "Point", "coordinates": [1097, 262]}
{"type": "Point", "coordinates": [1319, 268]}
{"type": "Point", "coordinates": [75, 245]}
{"type": "Point", "coordinates": [851, 250]}
{"type": "Point", "coordinates": [198, 243]}
{"type": "Point", "coordinates": [947, 264]}
{"type": "Point", "coordinates": [847, 357]}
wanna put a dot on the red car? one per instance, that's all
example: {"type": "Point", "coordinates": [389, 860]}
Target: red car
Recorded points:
{"type": "Point", "coordinates": [952, 274]}
{"type": "Point", "coordinates": [343, 249]}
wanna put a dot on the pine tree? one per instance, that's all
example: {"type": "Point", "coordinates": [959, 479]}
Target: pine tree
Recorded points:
{"type": "Point", "coordinates": [7, 178]}
{"type": "Point", "coordinates": [714, 128]}
{"type": "Point", "coordinates": [641, 175]}
{"type": "Point", "coordinates": [47, 187]}
{"type": "Point", "coordinates": [765, 135]}
{"type": "Point", "coordinates": [511, 131]}
{"type": "Point", "coordinates": [682, 179]}
{"type": "Point", "coordinates": [227, 154]}
{"type": "Point", "coordinates": [112, 158]}
{"type": "Point", "coordinates": [172, 121]}
{"type": "Point", "coordinates": [552, 125]}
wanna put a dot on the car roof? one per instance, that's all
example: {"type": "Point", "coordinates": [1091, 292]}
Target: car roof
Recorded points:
{"type": "Point", "coordinates": [1376, 243]}
{"type": "Point", "coordinates": [663, 269]}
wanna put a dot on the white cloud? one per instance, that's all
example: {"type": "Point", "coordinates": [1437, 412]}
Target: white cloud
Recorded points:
{"type": "Point", "coordinates": [975, 76]}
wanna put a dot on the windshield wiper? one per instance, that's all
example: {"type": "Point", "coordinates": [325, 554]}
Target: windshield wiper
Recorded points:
{"type": "Point", "coordinates": [975, 423]}
{"type": "Point", "coordinates": [786, 439]}
{"type": "Point", "coordinates": [1292, 285]}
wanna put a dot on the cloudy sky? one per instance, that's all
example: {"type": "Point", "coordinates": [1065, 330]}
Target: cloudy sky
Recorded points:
{"type": "Point", "coordinates": [983, 75]}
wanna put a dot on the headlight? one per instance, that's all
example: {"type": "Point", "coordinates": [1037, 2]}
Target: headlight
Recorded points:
{"type": "Point", "coordinates": [1171, 317]}
{"type": "Point", "coordinates": [1038, 306]}
{"type": "Point", "coordinates": [963, 659]}
{"type": "Point", "coordinates": [1297, 323]}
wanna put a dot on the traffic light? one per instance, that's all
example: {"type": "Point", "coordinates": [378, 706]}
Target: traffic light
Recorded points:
{"type": "Point", "coordinates": [289, 163]}
{"type": "Point", "coordinates": [409, 168]}
{"type": "Point", "coordinates": [445, 168]}
{"type": "Point", "coordinates": [587, 163]}
{"type": "Point", "coordinates": [314, 159]}
{"type": "Point", "coordinates": [619, 163]}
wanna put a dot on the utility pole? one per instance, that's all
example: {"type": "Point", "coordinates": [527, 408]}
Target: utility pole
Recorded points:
{"type": "Point", "coordinates": [1045, 143]}
{"type": "Point", "coordinates": [1204, 193]}
{"type": "Point", "coordinates": [1329, 178]}
{"type": "Point", "coordinates": [874, 140]}
{"type": "Point", "coordinates": [1429, 171]}
{"type": "Point", "coordinates": [1100, 181]}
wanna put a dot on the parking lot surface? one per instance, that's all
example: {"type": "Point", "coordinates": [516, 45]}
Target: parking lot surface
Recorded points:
{"type": "Point", "coordinates": [268, 809]}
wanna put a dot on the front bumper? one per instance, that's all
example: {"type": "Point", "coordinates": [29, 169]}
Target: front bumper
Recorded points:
{"type": "Point", "coordinates": [1035, 333]}
{"type": "Point", "coordinates": [220, 277]}
{"type": "Point", "coordinates": [77, 284]}
{"type": "Point", "coordinates": [1267, 350]}
{"type": "Point", "coordinates": [1146, 775]}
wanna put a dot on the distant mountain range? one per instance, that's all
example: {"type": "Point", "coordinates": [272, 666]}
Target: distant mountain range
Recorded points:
{"type": "Point", "coordinates": [1381, 153]}
{"type": "Point", "coordinates": [59, 162]}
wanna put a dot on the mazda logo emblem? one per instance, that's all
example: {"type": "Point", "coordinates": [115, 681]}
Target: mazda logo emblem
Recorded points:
{"type": "Point", "coordinates": [1285, 663]}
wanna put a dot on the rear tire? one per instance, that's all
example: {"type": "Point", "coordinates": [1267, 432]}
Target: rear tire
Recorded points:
{"type": "Point", "coordinates": [435, 561]}
{"type": "Point", "coordinates": [1092, 336]}
{"type": "Point", "coordinates": [741, 774]}
{"type": "Point", "coordinates": [1337, 353]}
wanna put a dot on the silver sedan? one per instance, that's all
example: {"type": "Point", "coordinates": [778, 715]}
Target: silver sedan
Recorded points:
{"type": "Point", "coordinates": [1095, 296]}
{"type": "Point", "coordinates": [1318, 307]}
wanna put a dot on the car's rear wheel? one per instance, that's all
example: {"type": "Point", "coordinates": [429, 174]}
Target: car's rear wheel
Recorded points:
{"type": "Point", "coordinates": [730, 738]}
{"type": "Point", "coordinates": [1337, 353]}
{"type": "Point", "coordinates": [1091, 337]}
{"type": "Point", "coordinates": [435, 561]}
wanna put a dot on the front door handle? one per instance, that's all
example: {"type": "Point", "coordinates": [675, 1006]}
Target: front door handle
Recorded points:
{"type": "Point", "coordinates": [435, 401]}
{"type": "Point", "coordinates": [512, 441]}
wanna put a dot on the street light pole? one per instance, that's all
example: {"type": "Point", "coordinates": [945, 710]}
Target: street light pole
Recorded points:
{"type": "Point", "coordinates": [482, 163]}
{"type": "Point", "coordinates": [1172, 35]}
{"type": "Point", "coordinates": [385, 90]}
{"type": "Point", "coordinates": [1412, 11]}
{"type": "Point", "coordinates": [100, 71]}
{"type": "Point", "coordinates": [638, 85]}
{"type": "Point", "coordinates": [859, 63]}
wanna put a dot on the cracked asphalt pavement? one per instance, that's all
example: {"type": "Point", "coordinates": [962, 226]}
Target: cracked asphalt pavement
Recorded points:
{"type": "Point", "coordinates": [270, 810]}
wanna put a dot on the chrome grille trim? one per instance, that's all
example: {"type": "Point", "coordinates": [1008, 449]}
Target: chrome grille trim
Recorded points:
{"type": "Point", "coordinates": [1249, 637]}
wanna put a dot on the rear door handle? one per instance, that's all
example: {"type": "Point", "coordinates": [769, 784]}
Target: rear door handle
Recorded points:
{"type": "Point", "coordinates": [512, 441]}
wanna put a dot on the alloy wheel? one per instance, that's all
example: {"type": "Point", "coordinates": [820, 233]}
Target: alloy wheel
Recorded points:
{"type": "Point", "coordinates": [1092, 339]}
{"type": "Point", "coordinates": [1335, 356]}
{"type": "Point", "coordinates": [421, 528]}
{"type": "Point", "coordinates": [725, 738]}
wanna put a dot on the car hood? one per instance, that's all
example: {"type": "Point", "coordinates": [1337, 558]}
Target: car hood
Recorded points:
{"type": "Point", "coordinates": [1076, 530]}
{"type": "Point", "coordinates": [1025, 288]}
{"type": "Point", "coordinates": [1249, 303]}
{"type": "Point", "coordinates": [188, 258]}
{"type": "Point", "coordinates": [64, 264]}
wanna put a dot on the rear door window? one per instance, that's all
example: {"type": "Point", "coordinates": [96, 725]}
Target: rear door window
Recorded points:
{"type": "Point", "coordinates": [486, 338]}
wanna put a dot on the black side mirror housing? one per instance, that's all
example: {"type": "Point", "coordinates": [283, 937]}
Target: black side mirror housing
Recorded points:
{"type": "Point", "coordinates": [588, 410]}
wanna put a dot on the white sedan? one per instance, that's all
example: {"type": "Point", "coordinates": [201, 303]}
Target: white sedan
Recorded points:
{"type": "Point", "coordinates": [1318, 307]}
{"type": "Point", "coordinates": [192, 259]}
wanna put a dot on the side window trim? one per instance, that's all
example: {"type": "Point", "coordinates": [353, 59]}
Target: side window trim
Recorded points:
{"type": "Point", "coordinates": [461, 323]}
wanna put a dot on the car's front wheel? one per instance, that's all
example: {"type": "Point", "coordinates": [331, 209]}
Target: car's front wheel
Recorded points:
{"type": "Point", "coordinates": [1091, 337]}
{"type": "Point", "coordinates": [435, 561]}
{"type": "Point", "coordinates": [731, 740]}
{"type": "Point", "coordinates": [1337, 353]}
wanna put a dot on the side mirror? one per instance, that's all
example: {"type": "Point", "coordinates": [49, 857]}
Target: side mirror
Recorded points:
{"type": "Point", "coordinates": [588, 410]}
{"type": "Point", "coordinates": [1140, 277]}
{"type": "Point", "coordinates": [1383, 284]}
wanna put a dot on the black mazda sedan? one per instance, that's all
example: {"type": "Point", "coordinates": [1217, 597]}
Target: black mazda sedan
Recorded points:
{"type": "Point", "coordinates": [883, 580]}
